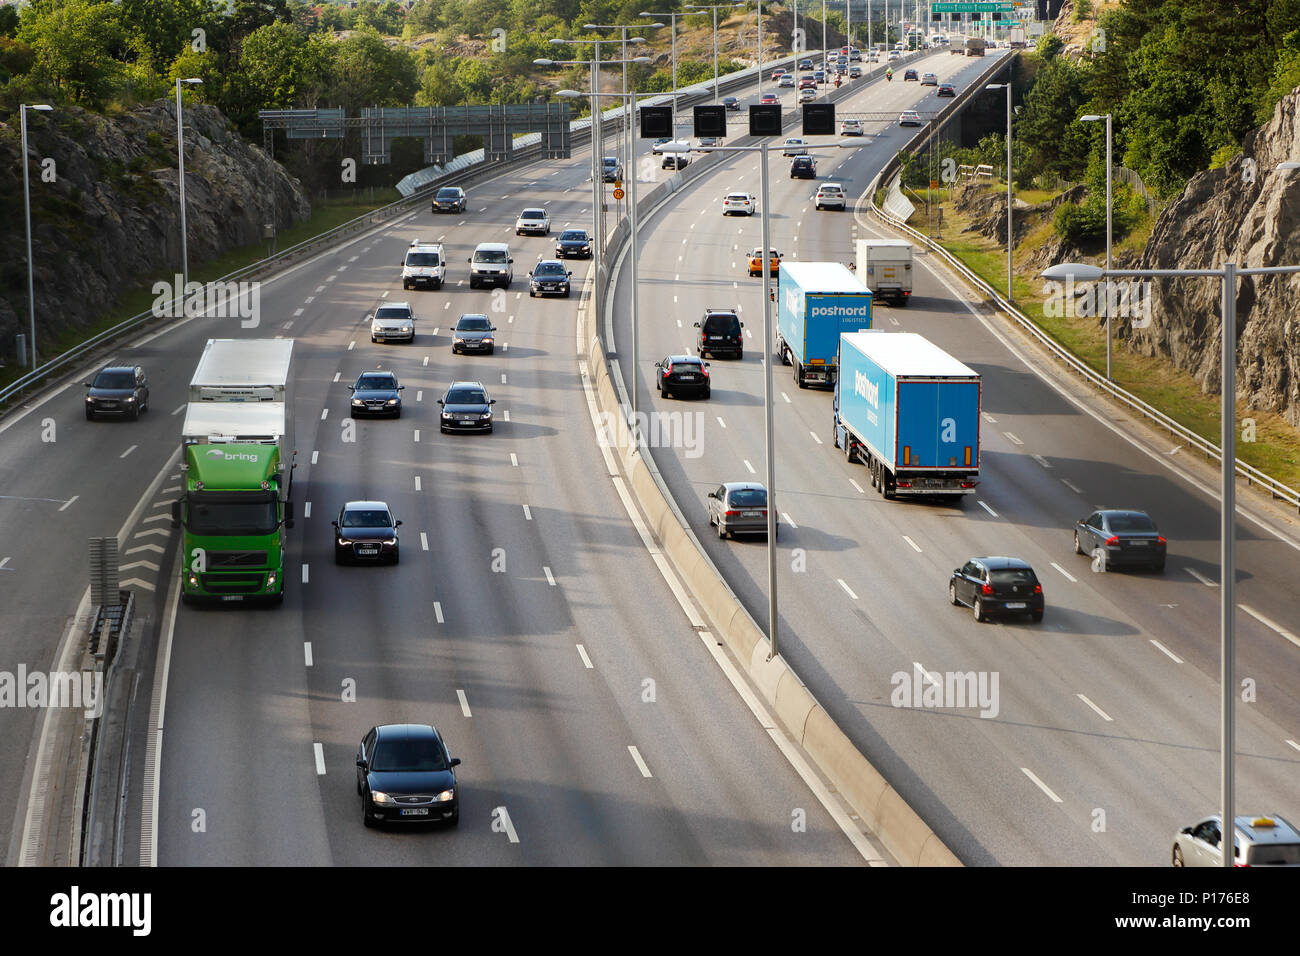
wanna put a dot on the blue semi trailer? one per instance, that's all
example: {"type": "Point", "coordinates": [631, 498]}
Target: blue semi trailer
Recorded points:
{"type": "Point", "coordinates": [817, 302]}
{"type": "Point", "coordinates": [910, 412]}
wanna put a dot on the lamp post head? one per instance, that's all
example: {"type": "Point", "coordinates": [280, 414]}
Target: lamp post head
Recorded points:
{"type": "Point", "coordinates": [569, 94]}
{"type": "Point", "coordinates": [994, 86]}
{"type": "Point", "coordinates": [43, 107]}
{"type": "Point", "coordinates": [1078, 271]}
{"type": "Point", "coordinates": [1288, 166]}
{"type": "Point", "coordinates": [636, 39]}
{"type": "Point", "coordinates": [543, 62]}
{"type": "Point", "coordinates": [641, 59]}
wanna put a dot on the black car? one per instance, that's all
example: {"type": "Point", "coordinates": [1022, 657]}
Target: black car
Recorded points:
{"type": "Point", "coordinates": [945, 89]}
{"type": "Point", "coordinates": [549, 277]}
{"type": "Point", "coordinates": [731, 103]}
{"type": "Point", "coordinates": [450, 199]}
{"type": "Point", "coordinates": [997, 586]}
{"type": "Point", "coordinates": [117, 390]}
{"type": "Point", "coordinates": [376, 393]}
{"type": "Point", "coordinates": [473, 333]}
{"type": "Point", "coordinates": [682, 374]}
{"type": "Point", "coordinates": [406, 775]}
{"type": "Point", "coordinates": [573, 244]}
{"type": "Point", "coordinates": [675, 161]}
{"type": "Point", "coordinates": [466, 408]}
{"type": "Point", "coordinates": [803, 167]}
{"type": "Point", "coordinates": [911, 74]}
{"type": "Point", "coordinates": [365, 531]}
{"type": "Point", "coordinates": [1121, 539]}
{"type": "Point", "coordinates": [720, 334]}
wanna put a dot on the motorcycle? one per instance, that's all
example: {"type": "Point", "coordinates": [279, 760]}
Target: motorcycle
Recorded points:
{"type": "Point", "coordinates": [889, 76]}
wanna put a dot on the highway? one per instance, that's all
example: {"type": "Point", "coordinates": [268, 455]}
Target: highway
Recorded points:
{"type": "Point", "coordinates": [1105, 741]}
{"type": "Point", "coordinates": [527, 621]}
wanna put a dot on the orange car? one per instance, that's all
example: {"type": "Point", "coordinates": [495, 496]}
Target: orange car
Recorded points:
{"type": "Point", "coordinates": [756, 261]}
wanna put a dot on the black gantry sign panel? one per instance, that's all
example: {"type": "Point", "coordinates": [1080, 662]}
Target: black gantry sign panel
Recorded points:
{"type": "Point", "coordinates": [765, 120]}
{"type": "Point", "coordinates": [656, 122]}
{"type": "Point", "coordinates": [711, 121]}
{"type": "Point", "coordinates": [819, 119]}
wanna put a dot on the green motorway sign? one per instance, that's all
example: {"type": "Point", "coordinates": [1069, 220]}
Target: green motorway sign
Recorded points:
{"type": "Point", "coordinates": [972, 6]}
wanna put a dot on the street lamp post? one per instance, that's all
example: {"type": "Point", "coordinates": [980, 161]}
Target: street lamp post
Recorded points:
{"type": "Point", "coordinates": [1092, 118]}
{"type": "Point", "coordinates": [626, 118]}
{"type": "Point", "coordinates": [1227, 276]}
{"type": "Point", "coordinates": [27, 209]}
{"type": "Point", "coordinates": [180, 152]}
{"type": "Point", "coordinates": [673, 27]}
{"type": "Point", "coordinates": [998, 86]}
{"type": "Point", "coordinates": [715, 7]}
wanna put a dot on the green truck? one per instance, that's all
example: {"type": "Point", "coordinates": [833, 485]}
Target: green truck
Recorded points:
{"type": "Point", "coordinates": [238, 466]}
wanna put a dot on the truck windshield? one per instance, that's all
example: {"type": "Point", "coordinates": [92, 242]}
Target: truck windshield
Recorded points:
{"type": "Point", "coordinates": [233, 513]}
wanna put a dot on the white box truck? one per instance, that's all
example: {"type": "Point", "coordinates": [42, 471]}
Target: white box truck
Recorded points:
{"type": "Point", "coordinates": [885, 267]}
{"type": "Point", "coordinates": [242, 370]}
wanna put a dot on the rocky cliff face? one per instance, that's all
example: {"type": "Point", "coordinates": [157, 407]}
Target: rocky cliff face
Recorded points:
{"type": "Point", "coordinates": [105, 211]}
{"type": "Point", "coordinates": [1247, 212]}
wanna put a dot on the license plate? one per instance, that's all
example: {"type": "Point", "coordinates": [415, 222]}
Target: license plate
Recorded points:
{"type": "Point", "coordinates": [751, 514]}
{"type": "Point", "coordinates": [367, 550]}
{"type": "Point", "coordinates": [1138, 544]}
{"type": "Point", "coordinates": [686, 378]}
{"type": "Point", "coordinates": [715, 338]}
{"type": "Point", "coordinates": [232, 597]}
{"type": "Point", "coordinates": [416, 812]}
{"type": "Point", "coordinates": [1016, 606]}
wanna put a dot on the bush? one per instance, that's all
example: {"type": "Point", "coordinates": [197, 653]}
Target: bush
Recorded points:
{"type": "Point", "coordinates": [1223, 154]}
{"type": "Point", "coordinates": [1081, 225]}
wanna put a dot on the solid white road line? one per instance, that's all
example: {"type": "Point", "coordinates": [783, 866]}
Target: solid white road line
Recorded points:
{"type": "Point", "coordinates": [1041, 786]}
{"type": "Point", "coordinates": [586, 661]}
{"type": "Point", "coordinates": [847, 590]}
{"type": "Point", "coordinates": [1201, 577]}
{"type": "Point", "coordinates": [319, 751]}
{"type": "Point", "coordinates": [987, 508]}
{"type": "Point", "coordinates": [464, 702]}
{"type": "Point", "coordinates": [1269, 623]}
{"type": "Point", "coordinates": [640, 763]}
{"type": "Point", "coordinates": [437, 611]}
{"type": "Point", "coordinates": [1100, 712]}
{"type": "Point", "coordinates": [1068, 575]}
{"type": "Point", "coordinates": [1174, 657]}
{"type": "Point", "coordinates": [550, 578]}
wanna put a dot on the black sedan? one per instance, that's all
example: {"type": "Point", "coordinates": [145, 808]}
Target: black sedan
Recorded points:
{"type": "Point", "coordinates": [1121, 539]}
{"type": "Point", "coordinates": [997, 586]}
{"type": "Point", "coordinates": [365, 531]}
{"type": "Point", "coordinates": [450, 199]}
{"type": "Point", "coordinates": [473, 333]}
{"type": "Point", "coordinates": [466, 408]}
{"type": "Point", "coordinates": [911, 75]}
{"type": "Point", "coordinates": [406, 775]}
{"type": "Point", "coordinates": [549, 277]}
{"type": "Point", "coordinates": [803, 167]}
{"type": "Point", "coordinates": [573, 243]}
{"type": "Point", "coordinates": [682, 374]}
{"type": "Point", "coordinates": [377, 393]}
{"type": "Point", "coordinates": [731, 103]}
{"type": "Point", "coordinates": [117, 390]}
{"type": "Point", "coordinates": [945, 89]}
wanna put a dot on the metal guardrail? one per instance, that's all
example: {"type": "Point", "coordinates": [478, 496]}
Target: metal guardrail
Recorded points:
{"type": "Point", "coordinates": [1211, 451]}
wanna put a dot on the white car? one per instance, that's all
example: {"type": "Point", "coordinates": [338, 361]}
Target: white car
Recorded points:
{"type": "Point", "coordinates": [830, 195]}
{"type": "Point", "coordinates": [533, 222]}
{"type": "Point", "coordinates": [794, 146]}
{"type": "Point", "coordinates": [786, 81]}
{"type": "Point", "coordinates": [929, 79]}
{"type": "Point", "coordinates": [392, 322]}
{"type": "Point", "coordinates": [909, 118]}
{"type": "Point", "coordinates": [807, 94]}
{"type": "Point", "coordinates": [425, 264]}
{"type": "Point", "coordinates": [851, 127]}
{"type": "Point", "coordinates": [740, 203]}
{"type": "Point", "coordinates": [895, 55]}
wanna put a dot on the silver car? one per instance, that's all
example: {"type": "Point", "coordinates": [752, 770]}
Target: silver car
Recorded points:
{"type": "Point", "coordinates": [1261, 841]}
{"type": "Point", "coordinates": [739, 507]}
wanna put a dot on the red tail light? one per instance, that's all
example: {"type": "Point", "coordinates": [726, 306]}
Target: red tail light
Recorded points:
{"type": "Point", "coordinates": [905, 484]}
{"type": "Point", "coordinates": [1038, 589]}
{"type": "Point", "coordinates": [968, 484]}
{"type": "Point", "coordinates": [731, 514]}
{"type": "Point", "coordinates": [986, 589]}
{"type": "Point", "coordinates": [1112, 540]}
{"type": "Point", "coordinates": [764, 512]}
{"type": "Point", "coordinates": [705, 371]}
{"type": "Point", "coordinates": [1160, 539]}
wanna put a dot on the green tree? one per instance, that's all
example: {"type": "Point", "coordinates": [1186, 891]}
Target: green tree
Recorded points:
{"type": "Point", "coordinates": [165, 27]}
{"type": "Point", "coordinates": [369, 73]}
{"type": "Point", "coordinates": [77, 45]}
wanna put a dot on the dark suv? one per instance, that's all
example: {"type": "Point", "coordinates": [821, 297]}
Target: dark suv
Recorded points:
{"type": "Point", "coordinates": [720, 334]}
{"type": "Point", "coordinates": [803, 167]}
{"type": "Point", "coordinates": [117, 390]}
{"type": "Point", "coordinates": [450, 199]}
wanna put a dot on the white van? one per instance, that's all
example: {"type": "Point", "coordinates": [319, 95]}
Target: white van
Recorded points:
{"type": "Point", "coordinates": [425, 264]}
{"type": "Point", "coordinates": [491, 265]}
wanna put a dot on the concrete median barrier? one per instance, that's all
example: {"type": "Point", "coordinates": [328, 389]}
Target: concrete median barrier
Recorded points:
{"type": "Point", "coordinates": [898, 827]}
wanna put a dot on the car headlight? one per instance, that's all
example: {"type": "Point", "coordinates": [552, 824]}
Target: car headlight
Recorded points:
{"type": "Point", "coordinates": [458, 340]}
{"type": "Point", "coordinates": [344, 542]}
{"type": "Point", "coordinates": [487, 340]}
{"type": "Point", "coordinates": [270, 581]}
{"type": "Point", "coordinates": [193, 580]}
{"type": "Point", "coordinates": [390, 541]}
{"type": "Point", "coordinates": [393, 401]}
{"type": "Point", "coordinates": [586, 248]}
{"type": "Point", "coordinates": [378, 796]}
{"type": "Point", "coordinates": [89, 400]}
{"type": "Point", "coordinates": [486, 416]}
{"type": "Point", "coordinates": [446, 795]}
{"type": "Point", "coordinates": [376, 327]}
{"type": "Point", "coordinates": [129, 398]}
{"type": "Point", "coordinates": [357, 402]}
{"type": "Point", "coordinates": [447, 415]}
{"type": "Point", "coordinates": [406, 328]}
